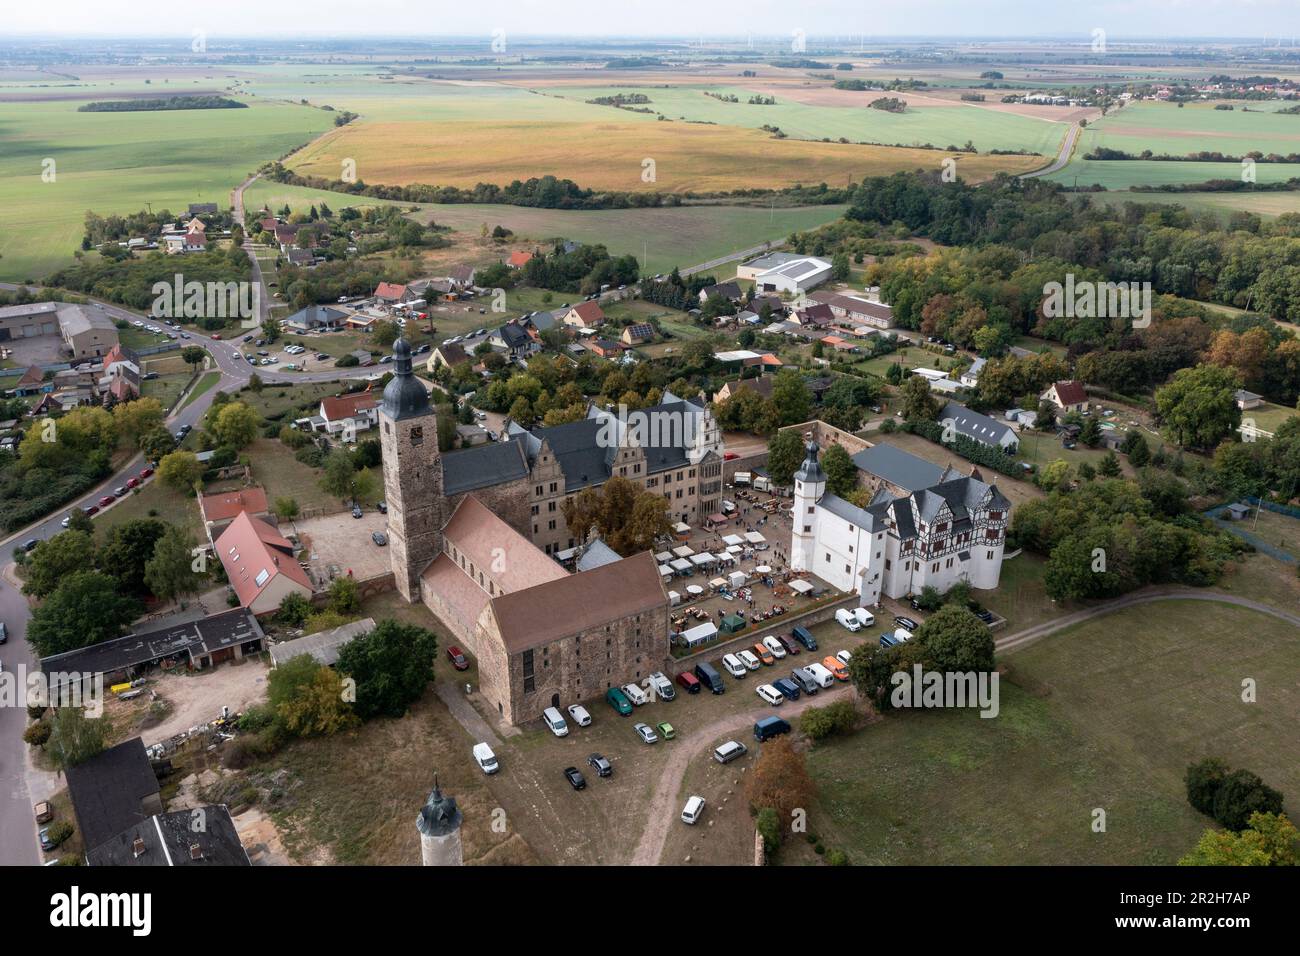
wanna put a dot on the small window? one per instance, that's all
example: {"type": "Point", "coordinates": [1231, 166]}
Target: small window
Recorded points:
{"type": "Point", "coordinates": [417, 435]}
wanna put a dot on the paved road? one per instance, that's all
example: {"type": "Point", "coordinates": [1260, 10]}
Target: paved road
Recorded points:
{"type": "Point", "coordinates": [18, 845]}
{"type": "Point", "coordinates": [732, 257]}
{"type": "Point", "coordinates": [237, 204]}
{"type": "Point", "coordinates": [1063, 157]}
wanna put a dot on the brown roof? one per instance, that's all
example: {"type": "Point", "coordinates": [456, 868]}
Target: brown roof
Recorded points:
{"type": "Point", "coordinates": [227, 504]}
{"type": "Point", "coordinates": [501, 553]}
{"type": "Point", "coordinates": [461, 273]}
{"type": "Point", "coordinates": [577, 602]}
{"type": "Point", "coordinates": [452, 353]}
{"type": "Point", "coordinates": [33, 376]}
{"type": "Point", "coordinates": [346, 406]}
{"type": "Point", "coordinates": [1071, 392]}
{"type": "Point", "coordinates": [389, 290]}
{"type": "Point", "coordinates": [590, 312]}
{"type": "Point", "coordinates": [762, 385]}
{"type": "Point", "coordinates": [248, 548]}
{"type": "Point", "coordinates": [853, 305]}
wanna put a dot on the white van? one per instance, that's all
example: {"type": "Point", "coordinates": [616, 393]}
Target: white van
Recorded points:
{"type": "Point", "coordinates": [733, 665]}
{"type": "Point", "coordinates": [773, 645]}
{"type": "Point", "coordinates": [749, 659]}
{"type": "Point", "coordinates": [693, 810]}
{"type": "Point", "coordinates": [485, 758]}
{"type": "Point", "coordinates": [729, 751]}
{"type": "Point", "coordinates": [821, 674]}
{"type": "Point", "coordinates": [865, 617]}
{"type": "Point", "coordinates": [770, 694]}
{"type": "Point", "coordinates": [636, 695]}
{"type": "Point", "coordinates": [662, 686]}
{"type": "Point", "coordinates": [551, 717]}
{"type": "Point", "coordinates": [847, 619]}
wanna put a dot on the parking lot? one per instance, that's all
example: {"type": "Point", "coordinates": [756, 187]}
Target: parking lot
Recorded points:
{"type": "Point", "coordinates": [633, 815]}
{"type": "Point", "coordinates": [338, 544]}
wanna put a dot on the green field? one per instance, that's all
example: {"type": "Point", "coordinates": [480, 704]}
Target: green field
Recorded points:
{"type": "Point", "coordinates": [933, 125]}
{"type": "Point", "coordinates": [1105, 715]}
{"type": "Point", "coordinates": [1267, 205]}
{"type": "Point", "coordinates": [660, 238]}
{"type": "Point", "coordinates": [120, 162]}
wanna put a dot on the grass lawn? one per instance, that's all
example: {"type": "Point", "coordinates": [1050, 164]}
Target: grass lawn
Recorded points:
{"type": "Point", "coordinates": [166, 388]}
{"type": "Point", "coordinates": [1020, 596]}
{"type": "Point", "coordinates": [204, 384]}
{"type": "Point", "coordinates": [1269, 417]}
{"type": "Point", "coordinates": [1279, 530]}
{"type": "Point", "coordinates": [276, 400]}
{"type": "Point", "coordinates": [283, 476]}
{"type": "Point", "coordinates": [1105, 715]}
{"type": "Point", "coordinates": [153, 500]}
{"type": "Point", "coordinates": [135, 338]}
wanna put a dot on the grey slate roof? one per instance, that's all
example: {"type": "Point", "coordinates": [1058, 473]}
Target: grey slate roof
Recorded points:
{"type": "Point", "coordinates": [898, 467]}
{"type": "Point", "coordinates": [598, 554]}
{"type": "Point", "coordinates": [482, 466]}
{"type": "Point", "coordinates": [171, 839]}
{"type": "Point", "coordinates": [981, 428]}
{"type": "Point", "coordinates": [107, 791]}
{"type": "Point", "coordinates": [869, 519]}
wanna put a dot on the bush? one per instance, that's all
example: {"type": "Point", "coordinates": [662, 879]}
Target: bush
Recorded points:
{"type": "Point", "coordinates": [37, 734]}
{"type": "Point", "coordinates": [293, 438]}
{"type": "Point", "coordinates": [820, 722]}
{"type": "Point", "coordinates": [59, 832]}
{"type": "Point", "coordinates": [1229, 796]}
{"type": "Point", "coordinates": [311, 455]}
{"type": "Point", "coordinates": [347, 361]}
{"type": "Point", "coordinates": [293, 610]}
{"type": "Point", "coordinates": [768, 825]}
{"type": "Point", "coordinates": [837, 858]}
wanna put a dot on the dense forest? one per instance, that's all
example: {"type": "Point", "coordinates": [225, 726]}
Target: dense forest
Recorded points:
{"type": "Point", "coordinates": [163, 103]}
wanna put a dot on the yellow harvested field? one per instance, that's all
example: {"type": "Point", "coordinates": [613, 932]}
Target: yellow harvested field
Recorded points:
{"type": "Point", "coordinates": [611, 155]}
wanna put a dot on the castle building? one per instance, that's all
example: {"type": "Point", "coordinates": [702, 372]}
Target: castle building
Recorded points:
{"type": "Point", "coordinates": [473, 536]}
{"type": "Point", "coordinates": [953, 530]}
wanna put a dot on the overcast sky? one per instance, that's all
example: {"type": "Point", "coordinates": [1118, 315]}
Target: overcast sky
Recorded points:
{"type": "Point", "coordinates": [281, 18]}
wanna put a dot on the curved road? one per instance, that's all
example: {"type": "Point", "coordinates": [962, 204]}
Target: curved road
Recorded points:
{"type": "Point", "coordinates": [662, 811]}
{"type": "Point", "coordinates": [17, 830]}
{"type": "Point", "coordinates": [1062, 157]}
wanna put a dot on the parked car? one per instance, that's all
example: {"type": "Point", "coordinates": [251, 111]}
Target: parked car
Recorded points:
{"type": "Point", "coordinates": [764, 654]}
{"type": "Point", "coordinates": [555, 722]}
{"type": "Point", "coordinates": [768, 727]}
{"type": "Point", "coordinates": [662, 686]}
{"type": "Point", "coordinates": [807, 683]}
{"type": "Point", "coordinates": [120, 491]}
{"type": "Point", "coordinates": [133, 482]}
{"type": "Point", "coordinates": [599, 764]}
{"type": "Point", "coordinates": [693, 810]}
{"type": "Point", "coordinates": [709, 677]}
{"type": "Point", "coordinates": [732, 749]}
{"type": "Point", "coordinates": [646, 734]}
{"type": "Point", "coordinates": [457, 658]}
{"type": "Point", "coordinates": [774, 647]}
{"type": "Point", "coordinates": [847, 620]}
{"type": "Point", "coordinates": [689, 682]}
{"type": "Point", "coordinates": [804, 637]}
{"type": "Point", "coordinates": [485, 758]}
{"type": "Point", "coordinates": [665, 730]}
{"type": "Point", "coordinates": [791, 646]}
{"type": "Point", "coordinates": [843, 657]}
{"type": "Point", "coordinates": [749, 659]}
{"type": "Point", "coordinates": [788, 688]}
{"type": "Point", "coordinates": [379, 538]}
{"type": "Point", "coordinates": [356, 511]}
{"type": "Point", "coordinates": [769, 694]}
{"type": "Point", "coordinates": [89, 510]}
{"type": "Point", "coordinates": [145, 473]}
{"type": "Point", "coordinates": [382, 507]}
{"type": "Point", "coordinates": [580, 715]}
{"type": "Point", "coordinates": [635, 694]}
{"type": "Point", "coordinates": [107, 500]}
{"type": "Point", "coordinates": [865, 617]}
{"type": "Point", "coordinates": [836, 666]}
{"type": "Point", "coordinates": [44, 812]}
{"type": "Point", "coordinates": [4, 633]}
{"type": "Point", "coordinates": [575, 778]}
{"type": "Point", "coordinates": [734, 667]}
{"type": "Point", "coordinates": [618, 700]}
{"type": "Point", "coordinates": [905, 622]}
{"type": "Point", "coordinates": [820, 673]}
{"type": "Point", "coordinates": [46, 843]}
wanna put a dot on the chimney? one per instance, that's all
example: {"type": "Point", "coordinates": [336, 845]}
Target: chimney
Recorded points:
{"type": "Point", "coordinates": [137, 848]}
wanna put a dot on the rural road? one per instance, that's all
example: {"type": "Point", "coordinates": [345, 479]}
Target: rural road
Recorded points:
{"type": "Point", "coordinates": [663, 811]}
{"type": "Point", "coordinates": [1063, 157]}
{"type": "Point", "coordinates": [1018, 640]}
{"type": "Point", "coordinates": [18, 845]}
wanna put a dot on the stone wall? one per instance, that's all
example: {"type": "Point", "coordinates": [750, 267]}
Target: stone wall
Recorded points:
{"type": "Point", "coordinates": [826, 435]}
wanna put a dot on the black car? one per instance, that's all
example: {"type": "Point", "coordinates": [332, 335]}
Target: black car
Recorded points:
{"type": "Point", "coordinates": [356, 511]}
{"type": "Point", "coordinates": [379, 538]}
{"type": "Point", "coordinates": [599, 764]}
{"type": "Point", "coordinates": [382, 507]}
{"type": "Point", "coordinates": [4, 636]}
{"type": "Point", "coordinates": [30, 544]}
{"type": "Point", "coordinates": [906, 622]}
{"type": "Point", "coordinates": [574, 776]}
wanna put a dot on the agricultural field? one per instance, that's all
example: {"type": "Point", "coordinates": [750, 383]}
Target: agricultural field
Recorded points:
{"type": "Point", "coordinates": [1106, 714]}
{"type": "Point", "coordinates": [1266, 205]}
{"type": "Point", "coordinates": [1163, 128]}
{"type": "Point", "coordinates": [122, 162]}
{"type": "Point", "coordinates": [660, 238]}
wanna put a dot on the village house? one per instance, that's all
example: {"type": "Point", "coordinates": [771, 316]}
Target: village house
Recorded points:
{"type": "Point", "coordinates": [512, 339]}
{"type": "Point", "coordinates": [32, 382]}
{"type": "Point", "coordinates": [854, 310]}
{"type": "Point", "coordinates": [637, 334]}
{"type": "Point", "coordinates": [518, 260]}
{"type": "Point", "coordinates": [392, 293]}
{"type": "Point", "coordinates": [1067, 396]}
{"type": "Point", "coordinates": [314, 317]}
{"type": "Point", "coordinates": [448, 355]}
{"type": "Point", "coordinates": [1247, 400]}
{"type": "Point", "coordinates": [726, 290]}
{"type": "Point", "coordinates": [980, 428]}
{"type": "Point", "coordinates": [87, 333]}
{"type": "Point", "coordinates": [260, 565]}
{"type": "Point", "coordinates": [585, 315]}
{"type": "Point", "coordinates": [219, 509]}
{"type": "Point", "coordinates": [345, 415]}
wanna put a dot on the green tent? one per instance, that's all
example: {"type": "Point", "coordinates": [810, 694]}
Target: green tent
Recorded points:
{"type": "Point", "coordinates": [732, 623]}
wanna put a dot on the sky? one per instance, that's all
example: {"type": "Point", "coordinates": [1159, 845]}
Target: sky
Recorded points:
{"type": "Point", "coordinates": [874, 18]}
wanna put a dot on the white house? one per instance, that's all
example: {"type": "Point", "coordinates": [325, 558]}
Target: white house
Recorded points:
{"type": "Point", "coordinates": [952, 531]}
{"type": "Point", "coordinates": [348, 414]}
{"type": "Point", "coordinates": [971, 377]}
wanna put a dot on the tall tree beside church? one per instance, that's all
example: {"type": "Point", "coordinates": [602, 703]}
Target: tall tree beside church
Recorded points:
{"type": "Point", "coordinates": [627, 518]}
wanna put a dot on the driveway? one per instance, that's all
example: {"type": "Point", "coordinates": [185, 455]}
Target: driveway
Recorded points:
{"type": "Point", "coordinates": [342, 542]}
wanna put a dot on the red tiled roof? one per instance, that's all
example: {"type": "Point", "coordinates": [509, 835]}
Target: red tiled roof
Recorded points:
{"type": "Point", "coordinates": [519, 259]}
{"type": "Point", "coordinates": [389, 290]}
{"type": "Point", "coordinates": [590, 312]}
{"type": "Point", "coordinates": [500, 552]}
{"type": "Point", "coordinates": [1071, 392]}
{"type": "Point", "coordinates": [33, 376]}
{"type": "Point", "coordinates": [227, 504]}
{"type": "Point", "coordinates": [250, 549]}
{"type": "Point", "coordinates": [347, 406]}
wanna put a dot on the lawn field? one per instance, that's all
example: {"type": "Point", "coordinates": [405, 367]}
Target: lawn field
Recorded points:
{"type": "Point", "coordinates": [1267, 205]}
{"type": "Point", "coordinates": [661, 238]}
{"type": "Point", "coordinates": [1105, 715]}
{"type": "Point", "coordinates": [119, 162]}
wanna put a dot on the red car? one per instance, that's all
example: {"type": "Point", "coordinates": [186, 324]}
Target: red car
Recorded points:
{"type": "Point", "coordinates": [217, 336]}
{"type": "Point", "coordinates": [107, 500]}
{"type": "Point", "coordinates": [457, 658]}
{"type": "Point", "coordinates": [90, 510]}
{"type": "Point", "coordinates": [133, 483]}
{"type": "Point", "coordinates": [145, 473]}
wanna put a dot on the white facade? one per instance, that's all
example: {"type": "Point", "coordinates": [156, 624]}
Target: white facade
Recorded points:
{"type": "Point", "coordinates": [797, 275]}
{"type": "Point", "coordinates": [954, 530]}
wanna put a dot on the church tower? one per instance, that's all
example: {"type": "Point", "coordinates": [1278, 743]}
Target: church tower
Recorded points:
{"type": "Point", "coordinates": [438, 824]}
{"type": "Point", "coordinates": [408, 436]}
{"type": "Point", "coordinates": [809, 485]}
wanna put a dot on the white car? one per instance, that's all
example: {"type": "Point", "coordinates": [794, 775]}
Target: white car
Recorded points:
{"type": "Point", "coordinates": [843, 657]}
{"type": "Point", "coordinates": [749, 659]}
{"type": "Point", "coordinates": [847, 620]}
{"type": "Point", "coordinates": [733, 666]}
{"type": "Point", "coordinates": [579, 715]}
{"type": "Point", "coordinates": [773, 645]}
{"type": "Point", "coordinates": [485, 758]}
{"type": "Point", "coordinates": [693, 810]}
{"type": "Point", "coordinates": [635, 694]}
{"type": "Point", "coordinates": [725, 753]}
{"type": "Point", "coordinates": [770, 694]}
{"type": "Point", "coordinates": [646, 733]}
{"type": "Point", "coordinates": [865, 617]}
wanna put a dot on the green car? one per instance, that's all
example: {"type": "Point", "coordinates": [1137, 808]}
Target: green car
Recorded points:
{"type": "Point", "coordinates": [618, 700]}
{"type": "Point", "coordinates": [666, 731]}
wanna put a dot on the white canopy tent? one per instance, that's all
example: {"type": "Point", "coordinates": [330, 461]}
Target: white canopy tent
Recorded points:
{"type": "Point", "coordinates": [683, 551]}
{"type": "Point", "coordinates": [663, 557]}
{"type": "Point", "coordinates": [800, 586]}
{"type": "Point", "coordinates": [681, 565]}
{"type": "Point", "coordinates": [753, 537]}
{"type": "Point", "coordinates": [699, 634]}
{"type": "Point", "coordinates": [732, 539]}
{"type": "Point", "coordinates": [738, 579]}
{"type": "Point", "coordinates": [718, 583]}
{"type": "Point", "coordinates": [674, 598]}
{"type": "Point", "coordinates": [682, 527]}
{"type": "Point", "coordinates": [700, 560]}
{"type": "Point", "coordinates": [694, 590]}
{"type": "Point", "coordinates": [665, 570]}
